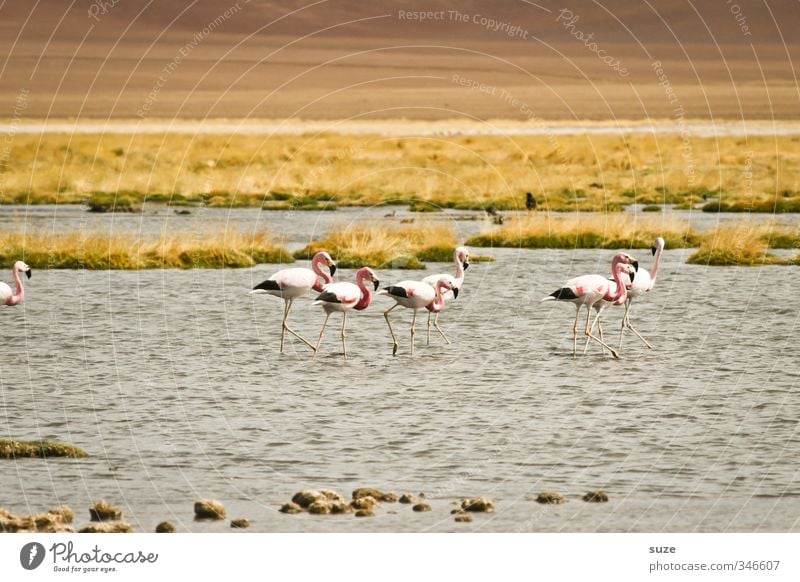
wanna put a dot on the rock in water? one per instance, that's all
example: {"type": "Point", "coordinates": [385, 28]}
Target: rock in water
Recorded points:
{"type": "Point", "coordinates": [117, 527]}
{"type": "Point", "coordinates": [291, 508]}
{"type": "Point", "coordinates": [478, 504]}
{"type": "Point", "coordinates": [364, 513]}
{"type": "Point", "coordinates": [102, 511]}
{"type": "Point", "coordinates": [421, 507]}
{"type": "Point", "coordinates": [240, 523]}
{"type": "Point", "coordinates": [165, 527]}
{"type": "Point", "coordinates": [209, 509]}
{"type": "Point", "coordinates": [596, 496]}
{"type": "Point", "coordinates": [463, 518]}
{"type": "Point", "coordinates": [551, 497]}
{"type": "Point", "coordinates": [407, 498]}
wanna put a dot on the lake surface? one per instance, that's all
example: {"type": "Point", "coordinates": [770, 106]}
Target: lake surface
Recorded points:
{"type": "Point", "coordinates": [173, 382]}
{"type": "Point", "coordinates": [295, 229]}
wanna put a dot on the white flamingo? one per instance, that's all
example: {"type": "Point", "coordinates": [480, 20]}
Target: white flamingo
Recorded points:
{"type": "Point", "coordinates": [344, 297]}
{"type": "Point", "coordinates": [7, 295]}
{"type": "Point", "coordinates": [289, 284]}
{"type": "Point", "coordinates": [461, 259]}
{"type": "Point", "coordinates": [588, 290]}
{"type": "Point", "coordinates": [415, 295]}
{"type": "Point", "coordinates": [643, 283]}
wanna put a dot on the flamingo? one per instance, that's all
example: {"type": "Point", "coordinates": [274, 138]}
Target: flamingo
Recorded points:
{"type": "Point", "coordinates": [461, 259]}
{"type": "Point", "coordinates": [344, 297]}
{"type": "Point", "coordinates": [289, 284]}
{"type": "Point", "coordinates": [628, 275]}
{"type": "Point", "coordinates": [643, 283]}
{"type": "Point", "coordinates": [9, 297]}
{"type": "Point", "coordinates": [416, 295]}
{"type": "Point", "coordinates": [588, 290]}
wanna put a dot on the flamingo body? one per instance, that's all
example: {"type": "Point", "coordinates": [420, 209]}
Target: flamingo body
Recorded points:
{"type": "Point", "coordinates": [9, 296]}
{"type": "Point", "coordinates": [343, 298]}
{"type": "Point", "coordinates": [289, 284]}
{"type": "Point", "coordinates": [588, 290]}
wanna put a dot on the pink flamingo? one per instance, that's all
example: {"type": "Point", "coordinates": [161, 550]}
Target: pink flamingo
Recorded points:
{"type": "Point", "coordinates": [343, 297]}
{"type": "Point", "coordinates": [643, 283]}
{"type": "Point", "coordinates": [461, 259]}
{"type": "Point", "coordinates": [9, 297]}
{"type": "Point", "coordinates": [628, 275]}
{"type": "Point", "coordinates": [416, 295]}
{"type": "Point", "coordinates": [289, 284]}
{"type": "Point", "coordinates": [588, 290]}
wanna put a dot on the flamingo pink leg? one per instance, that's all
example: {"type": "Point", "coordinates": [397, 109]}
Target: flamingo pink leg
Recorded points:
{"type": "Point", "coordinates": [413, 331]}
{"type": "Point", "coordinates": [344, 334]}
{"type": "Point", "coordinates": [391, 331]}
{"type": "Point", "coordinates": [429, 328]}
{"type": "Point", "coordinates": [439, 329]}
{"type": "Point", "coordinates": [321, 334]}
{"type": "Point", "coordinates": [590, 336]}
{"type": "Point", "coordinates": [285, 327]}
{"type": "Point", "coordinates": [626, 322]}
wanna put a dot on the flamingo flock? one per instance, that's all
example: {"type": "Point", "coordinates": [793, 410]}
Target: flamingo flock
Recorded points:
{"type": "Point", "coordinates": [628, 282]}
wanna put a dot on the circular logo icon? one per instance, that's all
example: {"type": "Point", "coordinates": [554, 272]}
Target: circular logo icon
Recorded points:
{"type": "Point", "coordinates": [31, 555]}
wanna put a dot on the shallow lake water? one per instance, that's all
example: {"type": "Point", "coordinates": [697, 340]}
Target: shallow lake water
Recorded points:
{"type": "Point", "coordinates": [173, 382]}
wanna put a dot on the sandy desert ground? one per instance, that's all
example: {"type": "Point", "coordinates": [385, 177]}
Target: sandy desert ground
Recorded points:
{"type": "Point", "coordinates": [343, 59]}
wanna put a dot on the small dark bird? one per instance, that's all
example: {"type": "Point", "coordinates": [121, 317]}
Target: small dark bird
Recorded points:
{"type": "Point", "coordinates": [530, 201]}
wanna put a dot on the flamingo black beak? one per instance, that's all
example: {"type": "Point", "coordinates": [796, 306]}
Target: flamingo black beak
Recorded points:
{"type": "Point", "coordinates": [455, 292]}
{"type": "Point", "coordinates": [28, 273]}
{"type": "Point", "coordinates": [333, 269]}
{"type": "Point", "coordinates": [465, 264]}
{"type": "Point", "coordinates": [653, 249]}
{"type": "Point", "coordinates": [635, 266]}
{"type": "Point", "coordinates": [376, 283]}
{"type": "Point", "coordinates": [632, 274]}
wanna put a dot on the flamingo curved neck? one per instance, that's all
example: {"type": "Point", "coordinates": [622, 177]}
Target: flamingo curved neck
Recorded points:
{"type": "Point", "coordinates": [17, 297]}
{"type": "Point", "coordinates": [316, 266]}
{"type": "Point", "coordinates": [438, 301]}
{"type": "Point", "coordinates": [459, 268]}
{"type": "Point", "coordinates": [656, 262]}
{"type": "Point", "coordinates": [620, 295]}
{"type": "Point", "coordinates": [366, 292]}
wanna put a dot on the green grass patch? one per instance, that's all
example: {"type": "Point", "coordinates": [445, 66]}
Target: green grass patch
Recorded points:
{"type": "Point", "coordinates": [14, 449]}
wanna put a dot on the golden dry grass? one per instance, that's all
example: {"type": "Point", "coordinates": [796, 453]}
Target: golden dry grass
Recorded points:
{"type": "Point", "coordinates": [587, 231]}
{"type": "Point", "coordinates": [385, 248]}
{"type": "Point", "coordinates": [102, 251]}
{"type": "Point", "coordinates": [741, 245]}
{"type": "Point", "coordinates": [564, 172]}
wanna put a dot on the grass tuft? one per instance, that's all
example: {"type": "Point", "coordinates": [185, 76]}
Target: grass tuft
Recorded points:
{"type": "Point", "coordinates": [587, 231]}
{"type": "Point", "coordinates": [103, 251]}
{"type": "Point", "coordinates": [14, 449]}
{"type": "Point", "coordinates": [385, 248]}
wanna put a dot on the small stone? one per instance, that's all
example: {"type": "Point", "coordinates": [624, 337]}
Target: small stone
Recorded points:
{"type": "Point", "coordinates": [102, 511]}
{"type": "Point", "coordinates": [329, 495]}
{"type": "Point", "coordinates": [117, 527]}
{"type": "Point", "coordinates": [319, 508]}
{"type": "Point", "coordinates": [339, 507]}
{"type": "Point", "coordinates": [378, 495]}
{"type": "Point", "coordinates": [240, 523]}
{"type": "Point", "coordinates": [478, 504]}
{"type": "Point", "coordinates": [463, 518]}
{"type": "Point", "coordinates": [551, 497]}
{"type": "Point", "coordinates": [421, 507]}
{"type": "Point", "coordinates": [596, 496]}
{"type": "Point", "coordinates": [67, 515]}
{"type": "Point", "coordinates": [306, 497]}
{"type": "Point", "coordinates": [364, 503]}
{"type": "Point", "coordinates": [407, 498]}
{"type": "Point", "coordinates": [165, 527]}
{"type": "Point", "coordinates": [209, 509]}
{"type": "Point", "coordinates": [458, 511]}
{"type": "Point", "coordinates": [364, 513]}
{"type": "Point", "coordinates": [290, 508]}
